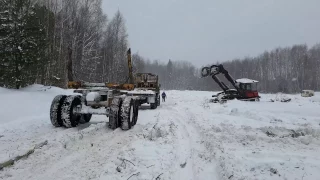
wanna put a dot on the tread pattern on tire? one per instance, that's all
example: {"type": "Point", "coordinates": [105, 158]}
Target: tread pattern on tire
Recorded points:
{"type": "Point", "coordinates": [55, 110]}
{"type": "Point", "coordinates": [125, 113]}
{"type": "Point", "coordinates": [136, 112]}
{"type": "Point", "coordinates": [158, 99]}
{"type": "Point", "coordinates": [68, 118]}
{"type": "Point", "coordinates": [115, 111]}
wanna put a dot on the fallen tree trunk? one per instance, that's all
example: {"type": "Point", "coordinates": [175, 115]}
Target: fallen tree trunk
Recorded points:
{"type": "Point", "coordinates": [25, 155]}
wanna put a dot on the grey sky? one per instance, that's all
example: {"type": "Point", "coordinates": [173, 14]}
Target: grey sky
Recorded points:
{"type": "Point", "coordinates": [207, 31]}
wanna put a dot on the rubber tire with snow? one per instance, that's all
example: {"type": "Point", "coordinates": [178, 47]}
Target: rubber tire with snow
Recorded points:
{"type": "Point", "coordinates": [127, 113]}
{"type": "Point", "coordinates": [115, 113]}
{"type": "Point", "coordinates": [55, 110]}
{"type": "Point", "coordinates": [85, 118]}
{"type": "Point", "coordinates": [70, 119]}
{"type": "Point", "coordinates": [155, 104]}
{"type": "Point", "coordinates": [136, 112]}
{"type": "Point", "coordinates": [158, 100]}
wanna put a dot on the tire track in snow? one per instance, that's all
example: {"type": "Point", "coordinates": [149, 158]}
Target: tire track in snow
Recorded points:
{"type": "Point", "coordinates": [192, 152]}
{"type": "Point", "coordinates": [185, 153]}
{"type": "Point", "coordinates": [153, 150]}
{"type": "Point", "coordinates": [213, 144]}
{"type": "Point", "coordinates": [192, 160]}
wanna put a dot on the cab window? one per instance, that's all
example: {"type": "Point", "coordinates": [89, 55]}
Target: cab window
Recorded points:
{"type": "Point", "coordinates": [248, 87]}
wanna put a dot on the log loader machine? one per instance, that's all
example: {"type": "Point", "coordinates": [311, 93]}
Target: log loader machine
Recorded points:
{"type": "Point", "coordinates": [119, 102]}
{"type": "Point", "coordinates": [245, 89]}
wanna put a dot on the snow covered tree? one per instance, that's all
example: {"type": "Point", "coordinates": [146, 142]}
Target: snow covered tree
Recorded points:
{"type": "Point", "coordinates": [138, 63]}
{"type": "Point", "coordinates": [6, 38]}
{"type": "Point", "coordinates": [22, 42]}
{"type": "Point", "coordinates": [169, 74]}
{"type": "Point", "coordinates": [46, 20]}
{"type": "Point", "coordinates": [115, 46]}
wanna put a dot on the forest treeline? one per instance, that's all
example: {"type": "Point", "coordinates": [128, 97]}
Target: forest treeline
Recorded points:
{"type": "Point", "coordinates": [287, 69]}
{"type": "Point", "coordinates": [52, 42]}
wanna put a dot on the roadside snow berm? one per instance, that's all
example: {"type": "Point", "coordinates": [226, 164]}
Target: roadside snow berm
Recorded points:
{"type": "Point", "coordinates": [281, 98]}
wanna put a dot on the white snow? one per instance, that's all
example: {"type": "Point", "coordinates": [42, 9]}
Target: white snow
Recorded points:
{"type": "Point", "coordinates": [246, 80]}
{"type": "Point", "coordinates": [57, 78]}
{"type": "Point", "coordinates": [92, 96]}
{"type": "Point", "coordinates": [87, 84]}
{"type": "Point", "coordinates": [185, 138]}
{"type": "Point", "coordinates": [141, 91]}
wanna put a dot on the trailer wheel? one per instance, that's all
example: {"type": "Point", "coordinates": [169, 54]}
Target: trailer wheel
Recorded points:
{"type": "Point", "coordinates": [158, 100]}
{"type": "Point", "coordinates": [69, 118]}
{"type": "Point", "coordinates": [136, 112]}
{"type": "Point", "coordinates": [85, 118]}
{"type": "Point", "coordinates": [115, 112]}
{"type": "Point", "coordinates": [55, 110]}
{"type": "Point", "coordinates": [155, 104]}
{"type": "Point", "coordinates": [127, 113]}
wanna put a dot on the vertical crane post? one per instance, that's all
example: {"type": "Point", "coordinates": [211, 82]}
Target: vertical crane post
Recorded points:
{"type": "Point", "coordinates": [130, 66]}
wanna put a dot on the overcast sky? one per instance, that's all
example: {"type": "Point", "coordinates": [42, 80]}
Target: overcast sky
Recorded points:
{"type": "Point", "coordinates": [207, 31]}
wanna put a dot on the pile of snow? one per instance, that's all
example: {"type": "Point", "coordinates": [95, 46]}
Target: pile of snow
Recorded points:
{"type": "Point", "coordinates": [24, 115]}
{"type": "Point", "coordinates": [315, 99]}
{"type": "Point", "coordinates": [30, 102]}
{"type": "Point", "coordinates": [281, 98]}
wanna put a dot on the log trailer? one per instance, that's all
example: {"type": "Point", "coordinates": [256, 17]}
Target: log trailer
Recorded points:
{"type": "Point", "coordinates": [245, 89]}
{"type": "Point", "coordinates": [119, 102]}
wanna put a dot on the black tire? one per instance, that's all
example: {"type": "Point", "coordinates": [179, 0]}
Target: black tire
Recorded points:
{"type": "Point", "coordinates": [55, 110]}
{"type": "Point", "coordinates": [155, 104]}
{"type": "Point", "coordinates": [70, 119]}
{"type": "Point", "coordinates": [136, 112]}
{"type": "Point", "coordinates": [127, 113]}
{"type": "Point", "coordinates": [85, 118]}
{"type": "Point", "coordinates": [115, 113]}
{"type": "Point", "coordinates": [159, 100]}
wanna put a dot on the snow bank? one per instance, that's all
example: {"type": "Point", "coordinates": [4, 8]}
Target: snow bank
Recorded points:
{"type": "Point", "coordinates": [24, 115]}
{"type": "Point", "coordinates": [19, 106]}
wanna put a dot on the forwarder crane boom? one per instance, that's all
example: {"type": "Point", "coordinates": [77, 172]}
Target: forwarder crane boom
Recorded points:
{"type": "Point", "coordinates": [245, 89]}
{"type": "Point", "coordinates": [215, 70]}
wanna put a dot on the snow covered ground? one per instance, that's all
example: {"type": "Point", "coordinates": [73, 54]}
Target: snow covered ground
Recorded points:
{"type": "Point", "coordinates": [185, 138]}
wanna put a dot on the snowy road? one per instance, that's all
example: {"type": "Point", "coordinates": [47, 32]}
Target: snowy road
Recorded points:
{"type": "Point", "coordinates": [185, 138]}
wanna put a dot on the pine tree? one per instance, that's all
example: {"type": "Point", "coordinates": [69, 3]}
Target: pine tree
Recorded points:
{"type": "Point", "coordinates": [169, 74]}
{"type": "Point", "coordinates": [22, 43]}
{"type": "Point", "coordinates": [6, 41]}
{"type": "Point", "coordinates": [45, 20]}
